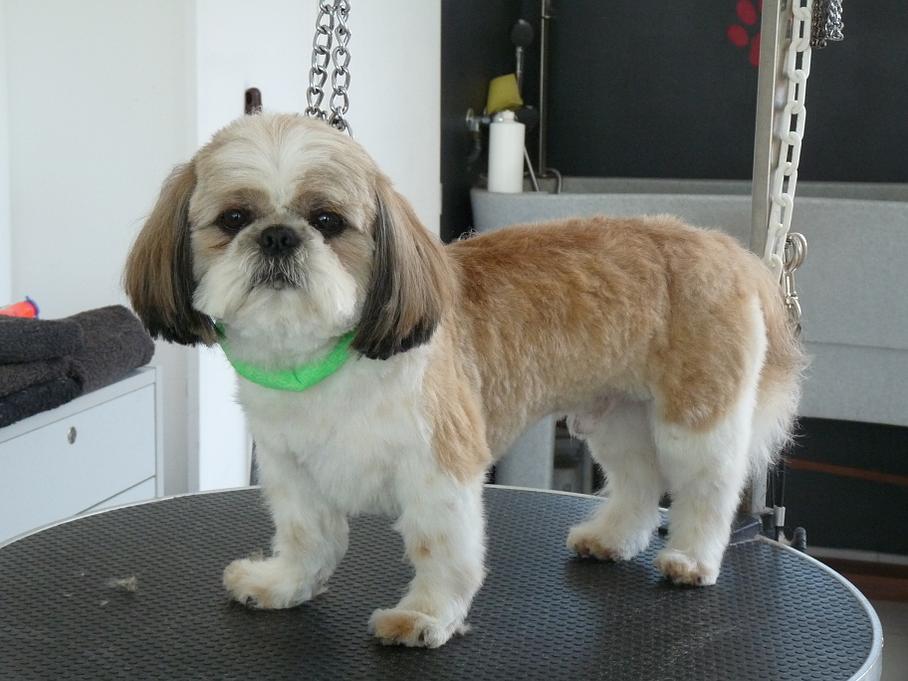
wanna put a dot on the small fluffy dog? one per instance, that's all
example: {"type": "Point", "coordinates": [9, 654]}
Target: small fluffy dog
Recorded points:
{"type": "Point", "coordinates": [668, 346]}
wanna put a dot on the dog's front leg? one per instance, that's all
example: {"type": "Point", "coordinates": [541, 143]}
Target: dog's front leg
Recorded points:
{"type": "Point", "coordinates": [443, 529]}
{"type": "Point", "coordinates": [309, 541]}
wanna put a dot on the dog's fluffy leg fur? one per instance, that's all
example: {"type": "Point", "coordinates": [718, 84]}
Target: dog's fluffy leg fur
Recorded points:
{"type": "Point", "coordinates": [645, 449]}
{"type": "Point", "coordinates": [443, 529]}
{"type": "Point", "coordinates": [621, 441]}
{"type": "Point", "coordinates": [309, 541]}
{"type": "Point", "coordinates": [705, 471]}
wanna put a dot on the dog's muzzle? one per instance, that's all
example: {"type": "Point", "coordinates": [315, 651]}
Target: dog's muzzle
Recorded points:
{"type": "Point", "coordinates": [278, 267]}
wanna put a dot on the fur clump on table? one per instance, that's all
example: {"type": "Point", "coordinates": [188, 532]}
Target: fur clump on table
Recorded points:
{"type": "Point", "coordinates": [130, 584]}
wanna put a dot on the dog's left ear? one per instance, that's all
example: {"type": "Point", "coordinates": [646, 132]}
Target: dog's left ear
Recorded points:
{"type": "Point", "coordinates": [412, 282]}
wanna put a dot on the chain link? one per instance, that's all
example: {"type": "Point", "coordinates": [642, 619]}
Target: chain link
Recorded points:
{"type": "Point", "coordinates": [827, 22]}
{"type": "Point", "coordinates": [321, 53]}
{"type": "Point", "coordinates": [330, 46]}
{"type": "Point", "coordinates": [340, 77]}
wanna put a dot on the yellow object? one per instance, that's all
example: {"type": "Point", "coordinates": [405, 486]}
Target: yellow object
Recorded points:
{"type": "Point", "coordinates": [503, 94]}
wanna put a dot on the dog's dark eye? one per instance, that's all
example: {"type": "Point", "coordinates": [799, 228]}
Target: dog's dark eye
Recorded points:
{"type": "Point", "coordinates": [328, 223]}
{"type": "Point", "coordinates": [234, 219]}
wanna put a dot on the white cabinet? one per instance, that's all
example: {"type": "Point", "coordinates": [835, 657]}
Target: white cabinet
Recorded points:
{"type": "Point", "coordinates": [99, 450]}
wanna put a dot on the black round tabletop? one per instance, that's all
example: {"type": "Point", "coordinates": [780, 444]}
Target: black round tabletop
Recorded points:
{"type": "Point", "coordinates": [541, 614]}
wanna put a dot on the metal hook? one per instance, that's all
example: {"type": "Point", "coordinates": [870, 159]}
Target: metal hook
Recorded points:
{"type": "Point", "coordinates": [795, 251]}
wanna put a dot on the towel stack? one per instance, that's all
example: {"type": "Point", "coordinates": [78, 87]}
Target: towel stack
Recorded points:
{"type": "Point", "coordinates": [46, 363]}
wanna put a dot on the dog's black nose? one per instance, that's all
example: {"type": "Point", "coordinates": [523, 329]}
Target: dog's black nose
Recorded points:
{"type": "Point", "coordinates": [278, 240]}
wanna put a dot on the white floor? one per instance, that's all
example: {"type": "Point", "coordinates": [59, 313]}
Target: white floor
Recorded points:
{"type": "Point", "coordinates": [894, 618]}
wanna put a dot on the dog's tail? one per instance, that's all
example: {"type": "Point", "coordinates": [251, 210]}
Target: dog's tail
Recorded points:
{"type": "Point", "coordinates": [779, 389]}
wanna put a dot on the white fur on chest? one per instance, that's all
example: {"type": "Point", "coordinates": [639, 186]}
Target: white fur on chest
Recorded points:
{"type": "Point", "coordinates": [358, 435]}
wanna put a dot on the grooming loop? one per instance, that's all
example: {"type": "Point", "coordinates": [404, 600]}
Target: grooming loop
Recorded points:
{"type": "Point", "coordinates": [330, 28]}
{"type": "Point", "coordinates": [790, 134]}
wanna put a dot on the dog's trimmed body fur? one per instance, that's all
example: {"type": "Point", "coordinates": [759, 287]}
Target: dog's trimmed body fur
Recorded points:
{"type": "Point", "coordinates": [668, 346]}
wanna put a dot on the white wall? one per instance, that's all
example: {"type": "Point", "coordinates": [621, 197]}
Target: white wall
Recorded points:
{"type": "Point", "coordinates": [395, 105]}
{"type": "Point", "coordinates": [98, 113]}
{"type": "Point", "coordinates": [105, 96]}
{"type": "Point", "coordinates": [395, 89]}
{"type": "Point", "coordinates": [6, 275]}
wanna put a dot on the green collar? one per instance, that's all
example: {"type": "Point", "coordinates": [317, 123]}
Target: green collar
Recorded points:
{"type": "Point", "coordinates": [297, 379]}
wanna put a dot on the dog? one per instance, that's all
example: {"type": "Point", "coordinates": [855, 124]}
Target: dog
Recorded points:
{"type": "Point", "coordinates": [668, 346]}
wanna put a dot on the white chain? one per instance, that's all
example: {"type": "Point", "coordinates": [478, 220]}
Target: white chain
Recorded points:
{"type": "Point", "coordinates": [790, 133]}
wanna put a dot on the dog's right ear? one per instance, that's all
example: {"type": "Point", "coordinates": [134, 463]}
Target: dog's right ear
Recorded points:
{"type": "Point", "coordinates": [158, 277]}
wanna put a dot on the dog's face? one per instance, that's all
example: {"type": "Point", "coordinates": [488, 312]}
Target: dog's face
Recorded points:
{"type": "Point", "coordinates": [282, 225]}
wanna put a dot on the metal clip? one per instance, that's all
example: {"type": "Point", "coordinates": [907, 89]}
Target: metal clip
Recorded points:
{"type": "Point", "coordinates": [793, 257]}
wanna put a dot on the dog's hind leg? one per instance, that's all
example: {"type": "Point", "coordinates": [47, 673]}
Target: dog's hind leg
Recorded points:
{"type": "Point", "coordinates": [620, 440]}
{"type": "Point", "coordinates": [705, 473]}
{"type": "Point", "coordinates": [706, 462]}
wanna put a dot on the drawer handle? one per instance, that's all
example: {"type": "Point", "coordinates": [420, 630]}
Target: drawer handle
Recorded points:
{"type": "Point", "coordinates": [71, 435]}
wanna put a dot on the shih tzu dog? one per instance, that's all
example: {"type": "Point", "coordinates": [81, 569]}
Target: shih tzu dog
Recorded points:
{"type": "Point", "coordinates": [381, 371]}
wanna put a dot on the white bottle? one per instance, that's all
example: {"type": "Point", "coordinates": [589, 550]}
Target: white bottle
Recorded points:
{"type": "Point", "coordinates": [506, 139]}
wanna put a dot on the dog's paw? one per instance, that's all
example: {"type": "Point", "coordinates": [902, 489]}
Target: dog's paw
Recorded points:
{"type": "Point", "coordinates": [682, 569]}
{"type": "Point", "coordinates": [588, 540]}
{"type": "Point", "coordinates": [270, 584]}
{"type": "Point", "coordinates": [411, 628]}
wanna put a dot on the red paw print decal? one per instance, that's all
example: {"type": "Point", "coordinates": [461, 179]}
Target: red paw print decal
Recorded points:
{"type": "Point", "coordinates": [746, 33]}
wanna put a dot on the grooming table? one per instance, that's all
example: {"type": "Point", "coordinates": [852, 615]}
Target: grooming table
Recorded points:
{"type": "Point", "coordinates": [542, 613]}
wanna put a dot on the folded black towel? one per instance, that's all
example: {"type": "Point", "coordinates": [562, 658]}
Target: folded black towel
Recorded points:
{"type": "Point", "coordinates": [16, 377]}
{"type": "Point", "coordinates": [58, 360]}
{"type": "Point", "coordinates": [115, 343]}
{"type": "Point", "coordinates": [29, 340]}
{"type": "Point", "coordinates": [37, 398]}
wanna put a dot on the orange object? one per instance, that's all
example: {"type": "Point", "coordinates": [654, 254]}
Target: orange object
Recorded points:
{"type": "Point", "coordinates": [27, 308]}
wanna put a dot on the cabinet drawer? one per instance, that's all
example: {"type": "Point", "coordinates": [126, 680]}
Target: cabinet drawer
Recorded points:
{"type": "Point", "coordinates": [69, 465]}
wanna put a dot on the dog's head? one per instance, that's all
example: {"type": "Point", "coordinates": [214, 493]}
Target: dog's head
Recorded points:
{"type": "Point", "coordinates": [282, 223]}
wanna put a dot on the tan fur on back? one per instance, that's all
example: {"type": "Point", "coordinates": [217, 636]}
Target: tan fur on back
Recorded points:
{"type": "Point", "coordinates": [564, 313]}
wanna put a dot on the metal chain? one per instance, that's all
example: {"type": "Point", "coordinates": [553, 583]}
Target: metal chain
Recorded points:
{"type": "Point", "coordinates": [321, 53]}
{"type": "Point", "coordinates": [827, 22]}
{"type": "Point", "coordinates": [330, 28]}
{"type": "Point", "coordinates": [835, 24]}
{"type": "Point", "coordinates": [340, 77]}
{"type": "Point", "coordinates": [790, 133]}
{"type": "Point", "coordinates": [818, 23]}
